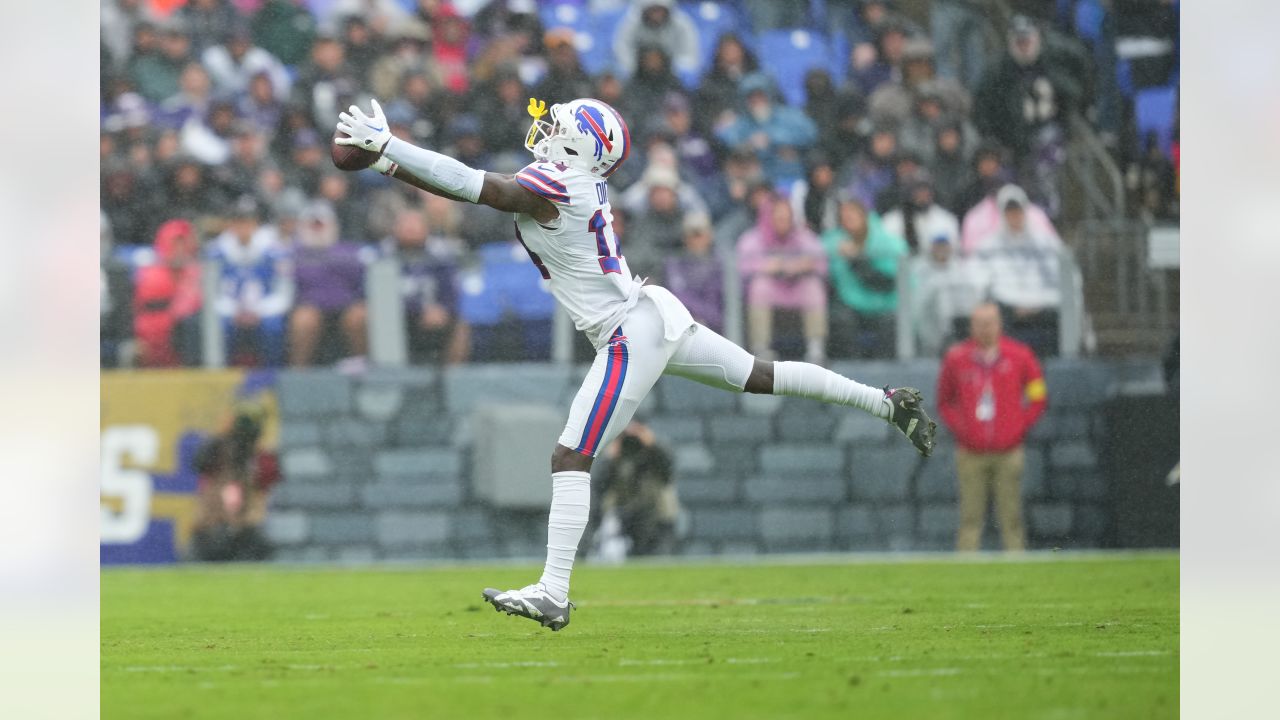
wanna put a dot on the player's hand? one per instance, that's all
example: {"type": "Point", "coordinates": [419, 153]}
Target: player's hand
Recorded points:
{"type": "Point", "coordinates": [369, 132]}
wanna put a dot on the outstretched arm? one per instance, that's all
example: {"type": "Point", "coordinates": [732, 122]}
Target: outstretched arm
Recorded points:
{"type": "Point", "coordinates": [439, 174]}
{"type": "Point", "coordinates": [500, 192]}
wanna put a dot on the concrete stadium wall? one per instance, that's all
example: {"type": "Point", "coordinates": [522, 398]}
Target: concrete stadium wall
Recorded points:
{"type": "Point", "coordinates": [377, 466]}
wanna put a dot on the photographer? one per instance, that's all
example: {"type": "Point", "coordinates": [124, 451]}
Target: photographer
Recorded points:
{"type": "Point", "coordinates": [236, 477]}
{"type": "Point", "coordinates": [639, 500]}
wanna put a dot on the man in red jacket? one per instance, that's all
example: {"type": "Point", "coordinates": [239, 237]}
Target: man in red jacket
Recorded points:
{"type": "Point", "coordinates": [990, 392]}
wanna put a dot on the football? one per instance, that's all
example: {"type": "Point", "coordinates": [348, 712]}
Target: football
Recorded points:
{"type": "Point", "coordinates": [350, 157]}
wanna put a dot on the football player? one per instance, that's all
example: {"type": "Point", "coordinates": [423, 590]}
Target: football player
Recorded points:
{"type": "Point", "coordinates": [640, 331]}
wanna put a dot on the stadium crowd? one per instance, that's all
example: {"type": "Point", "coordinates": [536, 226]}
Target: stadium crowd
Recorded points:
{"type": "Point", "coordinates": [812, 148]}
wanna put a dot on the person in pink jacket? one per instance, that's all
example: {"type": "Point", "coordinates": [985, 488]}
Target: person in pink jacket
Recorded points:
{"type": "Point", "coordinates": [983, 219]}
{"type": "Point", "coordinates": [783, 265]}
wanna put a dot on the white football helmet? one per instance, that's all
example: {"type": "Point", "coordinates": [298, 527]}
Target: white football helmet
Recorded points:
{"type": "Point", "coordinates": [584, 134]}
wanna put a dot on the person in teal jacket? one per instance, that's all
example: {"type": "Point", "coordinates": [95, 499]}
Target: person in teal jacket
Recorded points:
{"type": "Point", "coordinates": [864, 261]}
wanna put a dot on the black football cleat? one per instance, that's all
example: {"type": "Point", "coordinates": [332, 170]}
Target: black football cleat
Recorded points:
{"type": "Point", "coordinates": [911, 419]}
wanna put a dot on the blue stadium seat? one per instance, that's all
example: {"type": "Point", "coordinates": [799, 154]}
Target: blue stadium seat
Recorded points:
{"type": "Point", "coordinates": [595, 43]}
{"type": "Point", "coordinates": [506, 282]}
{"type": "Point", "coordinates": [788, 54]}
{"type": "Point", "coordinates": [565, 13]}
{"type": "Point", "coordinates": [1088, 21]}
{"type": "Point", "coordinates": [1153, 110]}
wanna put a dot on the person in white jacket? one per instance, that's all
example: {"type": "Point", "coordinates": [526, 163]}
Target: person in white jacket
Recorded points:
{"type": "Point", "coordinates": [1021, 265]}
{"type": "Point", "coordinates": [234, 63]}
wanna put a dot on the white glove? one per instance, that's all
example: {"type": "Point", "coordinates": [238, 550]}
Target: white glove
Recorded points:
{"type": "Point", "coordinates": [364, 131]}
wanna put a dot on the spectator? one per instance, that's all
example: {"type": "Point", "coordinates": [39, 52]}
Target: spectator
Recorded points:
{"type": "Point", "coordinates": [500, 105]}
{"type": "Point", "coordinates": [957, 27]}
{"type": "Point", "coordinates": [777, 133]}
{"type": "Point", "coordinates": [696, 274]}
{"type": "Point", "coordinates": [990, 392]}
{"type": "Point", "coordinates": [256, 288]}
{"type": "Point", "coordinates": [129, 202]}
{"type": "Point", "coordinates": [239, 174]}
{"type": "Point", "coordinates": [657, 23]}
{"type": "Point", "coordinates": [157, 62]}
{"type": "Point", "coordinates": [208, 21]}
{"type": "Point", "coordinates": [308, 161]}
{"type": "Point", "coordinates": [696, 157]}
{"type": "Point", "coordinates": [929, 109]}
{"type": "Point", "coordinates": [285, 29]}
{"type": "Point", "coordinates": [783, 266]}
{"type": "Point", "coordinates": [325, 85]}
{"type": "Point", "coordinates": [920, 219]}
{"type": "Point", "coordinates": [193, 100]}
{"type": "Point", "coordinates": [408, 56]}
{"type": "Point", "coordinates": [233, 64]}
{"type": "Point", "coordinates": [744, 181]}
{"type": "Point", "coordinates": [900, 97]}
{"type": "Point", "coordinates": [864, 258]}
{"type": "Point", "coordinates": [874, 170]}
{"type": "Point", "coordinates": [1025, 102]}
{"type": "Point", "coordinates": [639, 500]}
{"type": "Point", "coordinates": [990, 173]}
{"type": "Point", "coordinates": [450, 35]}
{"type": "Point", "coordinates": [190, 194]}
{"type": "Point", "coordinates": [1022, 265]}
{"type": "Point", "coordinates": [845, 137]}
{"type": "Point", "coordinates": [335, 189]}
{"type": "Point", "coordinates": [947, 288]}
{"type": "Point", "coordinates": [167, 300]}
{"type": "Point", "coordinates": [565, 79]}
{"type": "Point", "coordinates": [652, 82]}
{"type": "Point", "coordinates": [814, 198]}
{"type": "Point", "coordinates": [872, 66]}
{"type": "Point", "coordinates": [120, 20]}
{"type": "Point", "coordinates": [654, 232]}
{"type": "Point", "coordinates": [983, 220]}
{"type": "Point", "coordinates": [429, 288]}
{"type": "Point", "coordinates": [717, 98]}
{"type": "Point", "coordinates": [237, 474]}
{"type": "Point", "coordinates": [260, 105]}
{"type": "Point", "coordinates": [950, 166]}
{"type": "Point", "coordinates": [329, 276]}
{"type": "Point", "coordinates": [359, 46]}
{"type": "Point", "coordinates": [383, 16]}
{"type": "Point", "coordinates": [907, 166]}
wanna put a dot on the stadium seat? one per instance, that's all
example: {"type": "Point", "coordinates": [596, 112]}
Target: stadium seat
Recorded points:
{"type": "Point", "coordinates": [565, 13]}
{"type": "Point", "coordinates": [1088, 21]}
{"type": "Point", "coordinates": [505, 287]}
{"type": "Point", "coordinates": [788, 54]}
{"type": "Point", "coordinates": [1154, 110]}
{"type": "Point", "coordinates": [595, 42]}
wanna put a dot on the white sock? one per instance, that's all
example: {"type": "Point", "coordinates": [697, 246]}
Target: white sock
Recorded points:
{"type": "Point", "coordinates": [818, 383]}
{"type": "Point", "coordinates": [570, 507]}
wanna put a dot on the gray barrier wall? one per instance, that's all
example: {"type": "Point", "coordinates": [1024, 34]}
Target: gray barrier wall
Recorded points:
{"type": "Point", "coordinates": [377, 466]}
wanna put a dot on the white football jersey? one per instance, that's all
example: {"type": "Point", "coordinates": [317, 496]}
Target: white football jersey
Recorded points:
{"type": "Point", "coordinates": [578, 253]}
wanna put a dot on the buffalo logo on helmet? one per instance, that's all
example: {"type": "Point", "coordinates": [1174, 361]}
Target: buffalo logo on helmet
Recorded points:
{"type": "Point", "coordinates": [591, 122]}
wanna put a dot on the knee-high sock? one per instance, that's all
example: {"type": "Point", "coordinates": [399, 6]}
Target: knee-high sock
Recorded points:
{"type": "Point", "coordinates": [570, 507]}
{"type": "Point", "coordinates": [800, 379]}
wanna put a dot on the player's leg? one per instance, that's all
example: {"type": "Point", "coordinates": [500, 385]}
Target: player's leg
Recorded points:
{"type": "Point", "coordinates": [620, 377]}
{"type": "Point", "coordinates": [707, 357]}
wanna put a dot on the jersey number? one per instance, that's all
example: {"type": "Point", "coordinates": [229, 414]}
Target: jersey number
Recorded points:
{"type": "Point", "coordinates": [608, 259]}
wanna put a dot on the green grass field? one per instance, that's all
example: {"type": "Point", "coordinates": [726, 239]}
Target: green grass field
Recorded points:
{"type": "Point", "coordinates": [1049, 637]}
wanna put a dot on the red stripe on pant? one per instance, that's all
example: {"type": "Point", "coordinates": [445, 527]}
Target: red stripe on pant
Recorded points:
{"type": "Point", "coordinates": [614, 376]}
